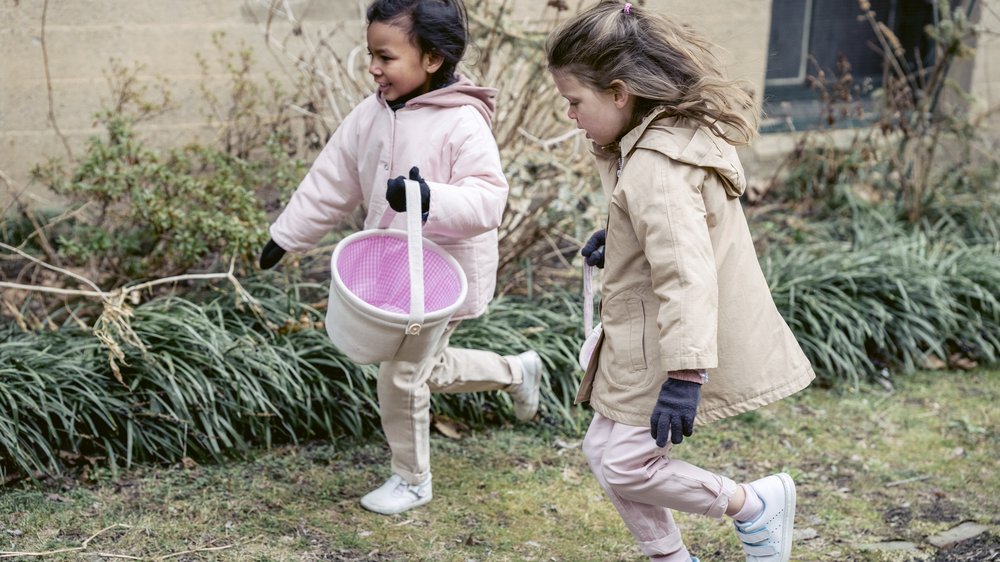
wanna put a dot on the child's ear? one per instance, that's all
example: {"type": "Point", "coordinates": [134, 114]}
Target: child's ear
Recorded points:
{"type": "Point", "coordinates": [620, 93]}
{"type": "Point", "coordinates": [432, 61]}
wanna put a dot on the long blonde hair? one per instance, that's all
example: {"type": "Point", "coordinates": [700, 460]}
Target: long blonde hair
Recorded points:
{"type": "Point", "coordinates": [661, 62]}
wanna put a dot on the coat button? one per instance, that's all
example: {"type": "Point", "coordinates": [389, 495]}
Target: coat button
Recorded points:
{"type": "Point", "coordinates": [387, 167]}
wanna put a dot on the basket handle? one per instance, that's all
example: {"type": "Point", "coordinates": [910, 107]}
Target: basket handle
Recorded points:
{"type": "Point", "coordinates": [588, 299]}
{"type": "Point", "coordinates": [415, 249]}
{"type": "Point", "coordinates": [415, 253]}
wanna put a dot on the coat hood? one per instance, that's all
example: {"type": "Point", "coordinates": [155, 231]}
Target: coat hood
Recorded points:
{"type": "Point", "coordinates": [461, 92]}
{"type": "Point", "coordinates": [693, 145]}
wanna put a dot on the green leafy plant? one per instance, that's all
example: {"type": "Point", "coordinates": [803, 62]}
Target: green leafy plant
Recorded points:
{"type": "Point", "coordinates": [145, 212]}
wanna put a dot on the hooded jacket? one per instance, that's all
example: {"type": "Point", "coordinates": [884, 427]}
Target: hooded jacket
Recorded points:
{"type": "Point", "coordinates": [682, 287]}
{"type": "Point", "coordinates": [447, 134]}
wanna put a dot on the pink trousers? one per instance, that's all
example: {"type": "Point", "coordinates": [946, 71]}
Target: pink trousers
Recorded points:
{"type": "Point", "coordinates": [644, 484]}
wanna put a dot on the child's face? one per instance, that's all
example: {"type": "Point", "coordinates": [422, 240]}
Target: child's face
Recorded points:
{"type": "Point", "coordinates": [397, 65]}
{"type": "Point", "coordinates": [603, 114]}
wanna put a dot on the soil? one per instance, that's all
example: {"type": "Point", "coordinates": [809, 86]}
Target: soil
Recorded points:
{"type": "Point", "coordinates": [984, 548]}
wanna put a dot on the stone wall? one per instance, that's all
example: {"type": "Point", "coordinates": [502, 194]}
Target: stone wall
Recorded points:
{"type": "Point", "coordinates": [983, 75]}
{"type": "Point", "coordinates": [82, 38]}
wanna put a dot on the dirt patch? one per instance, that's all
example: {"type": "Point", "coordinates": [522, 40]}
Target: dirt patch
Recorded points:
{"type": "Point", "coordinates": [355, 556]}
{"type": "Point", "coordinates": [940, 509]}
{"type": "Point", "coordinates": [898, 517]}
{"type": "Point", "coordinates": [984, 548]}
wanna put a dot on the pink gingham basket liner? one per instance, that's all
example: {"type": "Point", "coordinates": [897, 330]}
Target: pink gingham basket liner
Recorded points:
{"type": "Point", "coordinates": [376, 270]}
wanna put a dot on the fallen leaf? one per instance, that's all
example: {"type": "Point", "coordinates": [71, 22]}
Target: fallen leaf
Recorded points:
{"type": "Point", "coordinates": [934, 363]}
{"type": "Point", "coordinates": [448, 428]}
{"type": "Point", "coordinates": [560, 444]}
{"type": "Point", "coordinates": [959, 361]}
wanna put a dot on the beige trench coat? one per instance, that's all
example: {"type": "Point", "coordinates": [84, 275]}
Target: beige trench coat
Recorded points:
{"type": "Point", "coordinates": [682, 287]}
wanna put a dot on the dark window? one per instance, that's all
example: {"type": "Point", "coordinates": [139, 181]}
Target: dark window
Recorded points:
{"type": "Point", "coordinates": [808, 35]}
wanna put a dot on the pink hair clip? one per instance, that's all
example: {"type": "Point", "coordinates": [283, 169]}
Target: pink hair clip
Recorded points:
{"type": "Point", "coordinates": [628, 8]}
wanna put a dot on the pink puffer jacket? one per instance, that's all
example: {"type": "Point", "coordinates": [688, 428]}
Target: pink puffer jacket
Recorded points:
{"type": "Point", "coordinates": [447, 134]}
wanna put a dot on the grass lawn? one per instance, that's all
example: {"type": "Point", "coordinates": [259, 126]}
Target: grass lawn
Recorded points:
{"type": "Point", "coordinates": [871, 467]}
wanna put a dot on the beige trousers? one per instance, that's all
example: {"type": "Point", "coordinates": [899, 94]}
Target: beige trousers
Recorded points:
{"type": "Point", "coordinates": [404, 397]}
{"type": "Point", "coordinates": [644, 484]}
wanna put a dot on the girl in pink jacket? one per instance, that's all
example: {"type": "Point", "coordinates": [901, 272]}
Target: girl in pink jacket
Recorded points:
{"type": "Point", "coordinates": [433, 125]}
{"type": "Point", "coordinates": [689, 325]}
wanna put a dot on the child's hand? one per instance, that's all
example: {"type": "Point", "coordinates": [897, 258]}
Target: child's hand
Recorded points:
{"type": "Point", "coordinates": [674, 412]}
{"type": "Point", "coordinates": [593, 250]}
{"type": "Point", "coordinates": [271, 255]}
{"type": "Point", "coordinates": [395, 193]}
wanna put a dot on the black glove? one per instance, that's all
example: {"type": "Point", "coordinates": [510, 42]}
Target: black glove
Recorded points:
{"type": "Point", "coordinates": [593, 250]}
{"type": "Point", "coordinates": [674, 411]}
{"type": "Point", "coordinates": [271, 254]}
{"type": "Point", "coordinates": [395, 193]}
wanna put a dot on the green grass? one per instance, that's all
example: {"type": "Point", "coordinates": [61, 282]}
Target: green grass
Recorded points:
{"type": "Point", "coordinates": [870, 466]}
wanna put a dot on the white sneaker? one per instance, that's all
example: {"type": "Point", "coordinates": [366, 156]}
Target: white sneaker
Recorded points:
{"type": "Point", "coordinates": [396, 496]}
{"type": "Point", "coordinates": [769, 536]}
{"type": "Point", "coordinates": [525, 395]}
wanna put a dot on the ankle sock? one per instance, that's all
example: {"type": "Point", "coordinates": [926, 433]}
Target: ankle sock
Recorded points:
{"type": "Point", "coordinates": [752, 507]}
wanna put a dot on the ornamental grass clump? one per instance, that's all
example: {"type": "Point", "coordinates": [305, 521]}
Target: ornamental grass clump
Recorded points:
{"type": "Point", "coordinates": [890, 304]}
{"type": "Point", "coordinates": [215, 378]}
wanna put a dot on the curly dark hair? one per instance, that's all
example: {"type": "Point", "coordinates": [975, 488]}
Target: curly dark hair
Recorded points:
{"type": "Point", "coordinates": [435, 26]}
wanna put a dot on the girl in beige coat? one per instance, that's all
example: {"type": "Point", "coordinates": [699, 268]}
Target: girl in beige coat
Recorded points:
{"type": "Point", "coordinates": [689, 323]}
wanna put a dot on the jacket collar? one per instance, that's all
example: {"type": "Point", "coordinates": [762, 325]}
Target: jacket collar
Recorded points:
{"type": "Point", "coordinates": [628, 142]}
{"type": "Point", "coordinates": [686, 142]}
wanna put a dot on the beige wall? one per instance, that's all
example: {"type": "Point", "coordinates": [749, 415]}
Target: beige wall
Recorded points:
{"type": "Point", "coordinates": [82, 37]}
{"type": "Point", "coordinates": [984, 76]}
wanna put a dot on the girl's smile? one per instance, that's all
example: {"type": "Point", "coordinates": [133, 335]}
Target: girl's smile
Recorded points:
{"type": "Point", "coordinates": [397, 65]}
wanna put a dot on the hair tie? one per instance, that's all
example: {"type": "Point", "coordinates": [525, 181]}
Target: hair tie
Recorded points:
{"type": "Point", "coordinates": [628, 8]}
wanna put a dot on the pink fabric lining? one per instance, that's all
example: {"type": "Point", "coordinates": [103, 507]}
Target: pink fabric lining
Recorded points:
{"type": "Point", "coordinates": [376, 270]}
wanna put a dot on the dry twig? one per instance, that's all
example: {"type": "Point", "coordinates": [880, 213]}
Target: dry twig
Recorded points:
{"type": "Point", "coordinates": [83, 545]}
{"type": "Point", "coordinates": [114, 325]}
{"type": "Point", "coordinates": [86, 543]}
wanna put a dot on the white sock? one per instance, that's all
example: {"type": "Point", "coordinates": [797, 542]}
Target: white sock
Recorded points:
{"type": "Point", "coordinates": [752, 507]}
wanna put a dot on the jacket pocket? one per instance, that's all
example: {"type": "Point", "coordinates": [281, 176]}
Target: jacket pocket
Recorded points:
{"type": "Point", "coordinates": [624, 318]}
{"type": "Point", "coordinates": [636, 330]}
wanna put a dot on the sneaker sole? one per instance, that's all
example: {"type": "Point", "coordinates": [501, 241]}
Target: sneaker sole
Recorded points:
{"type": "Point", "coordinates": [394, 511]}
{"type": "Point", "coordinates": [788, 523]}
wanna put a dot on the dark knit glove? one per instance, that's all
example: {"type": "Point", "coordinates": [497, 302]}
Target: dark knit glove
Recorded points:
{"type": "Point", "coordinates": [271, 255]}
{"type": "Point", "coordinates": [674, 412]}
{"type": "Point", "coordinates": [593, 250]}
{"type": "Point", "coordinates": [395, 193]}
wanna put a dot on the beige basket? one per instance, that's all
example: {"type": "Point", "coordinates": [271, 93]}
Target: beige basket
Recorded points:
{"type": "Point", "coordinates": [392, 292]}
